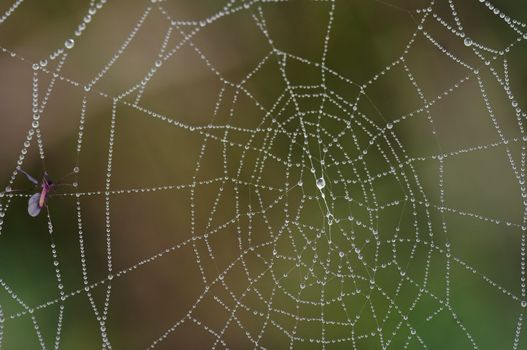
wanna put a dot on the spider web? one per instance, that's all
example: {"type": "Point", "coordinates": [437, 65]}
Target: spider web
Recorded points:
{"type": "Point", "coordinates": [274, 200]}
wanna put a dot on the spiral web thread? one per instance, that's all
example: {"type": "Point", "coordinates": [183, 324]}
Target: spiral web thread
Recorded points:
{"type": "Point", "coordinates": [314, 177]}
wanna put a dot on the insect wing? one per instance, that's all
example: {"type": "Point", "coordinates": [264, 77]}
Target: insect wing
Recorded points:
{"type": "Point", "coordinates": [32, 206]}
{"type": "Point", "coordinates": [29, 177]}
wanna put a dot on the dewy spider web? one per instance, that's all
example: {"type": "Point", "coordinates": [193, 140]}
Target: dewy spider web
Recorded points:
{"type": "Point", "coordinates": [310, 222]}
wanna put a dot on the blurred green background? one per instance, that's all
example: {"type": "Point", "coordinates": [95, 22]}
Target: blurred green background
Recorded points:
{"type": "Point", "coordinates": [415, 242]}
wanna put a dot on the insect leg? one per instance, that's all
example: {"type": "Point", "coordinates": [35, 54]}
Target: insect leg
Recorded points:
{"type": "Point", "coordinates": [64, 177]}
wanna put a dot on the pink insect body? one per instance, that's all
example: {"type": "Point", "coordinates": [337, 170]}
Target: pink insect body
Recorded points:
{"type": "Point", "coordinates": [46, 188]}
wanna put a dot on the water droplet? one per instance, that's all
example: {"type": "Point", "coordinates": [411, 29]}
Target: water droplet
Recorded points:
{"type": "Point", "coordinates": [69, 43]}
{"type": "Point", "coordinates": [389, 126]}
{"type": "Point", "coordinates": [468, 42]}
{"type": "Point", "coordinates": [321, 183]}
{"type": "Point", "coordinates": [524, 303]}
{"type": "Point", "coordinates": [341, 254]}
{"type": "Point", "coordinates": [76, 169]}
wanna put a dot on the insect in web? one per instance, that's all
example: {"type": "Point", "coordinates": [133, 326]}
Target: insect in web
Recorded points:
{"type": "Point", "coordinates": [38, 200]}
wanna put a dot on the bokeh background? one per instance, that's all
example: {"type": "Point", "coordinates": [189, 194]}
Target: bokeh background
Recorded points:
{"type": "Point", "coordinates": [425, 279]}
